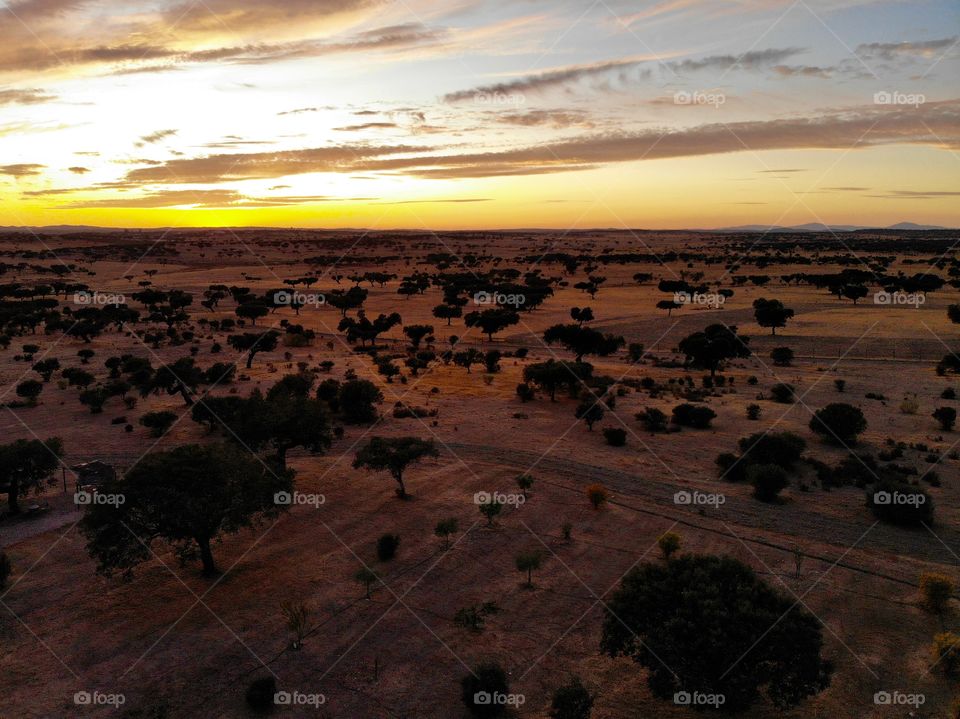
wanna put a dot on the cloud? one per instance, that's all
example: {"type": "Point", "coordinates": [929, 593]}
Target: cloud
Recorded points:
{"type": "Point", "coordinates": [368, 126]}
{"type": "Point", "coordinates": [752, 60]}
{"type": "Point", "coordinates": [21, 170]}
{"type": "Point", "coordinates": [916, 194]}
{"type": "Point", "coordinates": [454, 200]}
{"type": "Point", "coordinates": [197, 199]}
{"type": "Point", "coordinates": [157, 136]}
{"type": "Point", "coordinates": [265, 165]}
{"type": "Point", "coordinates": [894, 50]}
{"type": "Point", "coordinates": [32, 96]}
{"type": "Point", "coordinates": [935, 124]}
{"type": "Point", "coordinates": [803, 71]}
{"type": "Point", "coordinates": [553, 118]}
{"type": "Point", "coordinates": [79, 170]}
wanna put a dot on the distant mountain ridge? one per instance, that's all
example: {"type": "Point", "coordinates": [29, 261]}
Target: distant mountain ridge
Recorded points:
{"type": "Point", "coordinates": [820, 227]}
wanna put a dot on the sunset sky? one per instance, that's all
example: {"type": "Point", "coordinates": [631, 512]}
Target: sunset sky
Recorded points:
{"type": "Point", "coordinates": [472, 114]}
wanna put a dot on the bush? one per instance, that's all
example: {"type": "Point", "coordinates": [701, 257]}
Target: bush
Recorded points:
{"type": "Point", "coordinates": [572, 701]}
{"type": "Point", "coordinates": [946, 416]}
{"type": "Point", "coordinates": [669, 544]}
{"type": "Point", "coordinates": [767, 480]}
{"type": "Point", "coordinates": [158, 422]}
{"type": "Point", "coordinates": [782, 356]}
{"type": "Point", "coordinates": [948, 393]}
{"type": "Point", "coordinates": [692, 415]}
{"type": "Point", "coordinates": [387, 547]}
{"type": "Point", "coordinates": [653, 419]}
{"type": "Point", "coordinates": [731, 468]}
{"type": "Point", "coordinates": [839, 423]}
{"type": "Point", "coordinates": [910, 405]}
{"type": "Point", "coordinates": [937, 589]}
{"type": "Point", "coordinates": [899, 503]}
{"type": "Point", "coordinates": [598, 495]}
{"type": "Point", "coordinates": [780, 448]}
{"type": "Point", "coordinates": [525, 392]}
{"type": "Point", "coordinates": [260, 694]}
{"type": "Point", "coordinates": [840, 384]}
{"type": "Point", "coordinates": [753, 411]}
{"type": "Point", "coordinates": [783, 393]}
{"type": "Point", "coordinates": [946, 652]}
{"type": "Point", "coordinates": [615, 436]}
{"type": "Point", "coordinates": [480, 686]}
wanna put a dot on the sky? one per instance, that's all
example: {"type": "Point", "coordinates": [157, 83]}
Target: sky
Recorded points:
{"type": "Point", "coordinates": [466, 114]}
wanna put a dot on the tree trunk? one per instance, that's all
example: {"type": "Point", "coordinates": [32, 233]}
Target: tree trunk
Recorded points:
{"type": "Point", "coordinates": [249, 360]}
{"type": "Point", "coordinates": [185, 393]}
{"type": "Point", "coordinates": [206, 556]}
{"type": "Point", "coordinates": [402, 491]}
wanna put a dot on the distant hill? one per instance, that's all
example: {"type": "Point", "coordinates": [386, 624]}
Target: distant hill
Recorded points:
{"type": "Point", "coordinates": [820, 227]}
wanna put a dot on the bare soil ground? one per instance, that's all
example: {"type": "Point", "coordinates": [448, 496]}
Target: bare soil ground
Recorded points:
{"type": "Point", "coordinates": [171, 638]}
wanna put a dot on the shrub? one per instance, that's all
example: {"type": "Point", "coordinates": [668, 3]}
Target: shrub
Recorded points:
{"type": "Point", "coordinates": [910, 405]}
{"type": "Point", "coordinates": [946, 652]}
{"type": "Point", "coordinates": [525, 392]}
{"type": "Point", "coordinates": [527, 562]}
{"type": "Point", "coordinates": [731, 468]}
{"type": "Point", "coordinates": [158, 422]}
{"type": "Point", "coordinates": [780, 448]}
{"type": "Point", "coordinates": [840, 384]}
{"type": "Point", "coordinates": [653, 419]}
{"type": "Point", "coordinates": [572, 701]}
{"type": "Point", "coordinates": [445, 528]}
{"type": "Point", "coordinates": [937, 589]}
{"type": "Point", "coordinates": [783, 393]}
{"type": "Point", "coordinates": [479, 687]}
{"type": "Point", "coordinates": [669, 544]}
{"type": "Point", "coordinates": [782, 356]}
{"type": "Point", "coordinates": [5, 569]}
{"type": "Point", "coordinates": [948, 393]}
{"type": "Point", "coordinates": [839, 423]}
{"type": "Point", "coordinates": [753, 411]}
{"type": "Point", "coordinates": [767, 480]}
{"type": "Point", "coordinates": [692, 415]}
{"type": "Point", "coordinates": [752, 380]}
{"type": "Point", "coordinates": [598, 495]}
{"type": "Point", "coordinates": [946, 416]}
{"type": "Point", "coordinates": [387, 547]}
{"type": "Point", "coordinates": [615, 436]}
{"type": "Point", "coordinates": [899, 503]}
{"type": "Point", "coordinates": [29, 390]}
{"type": "Point", "coordinates": [260, 694]}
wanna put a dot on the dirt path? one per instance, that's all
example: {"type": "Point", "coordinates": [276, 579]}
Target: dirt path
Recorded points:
{"type": "Point", "coordinates": [789, 521]}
